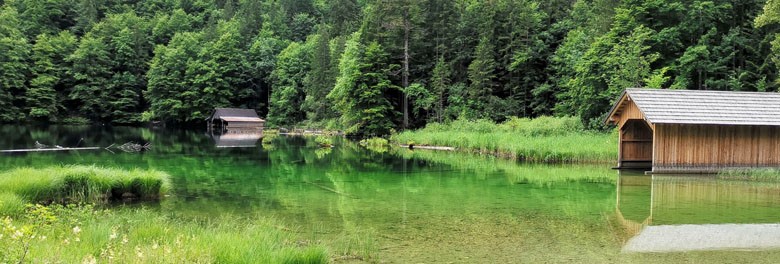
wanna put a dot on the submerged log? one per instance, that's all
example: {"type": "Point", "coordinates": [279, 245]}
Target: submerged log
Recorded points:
{"type": "Point", "coordinates": [46, 149]}
{"type": "Point", "coordinates": [428, 147]}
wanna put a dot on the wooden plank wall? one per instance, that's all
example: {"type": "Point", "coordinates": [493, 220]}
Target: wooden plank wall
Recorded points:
{"type": "Point", "coordinates": [237, 124]}
{"type": "Point", "coordinates": [636, 141]}
{"type": "Point", "coordinates": [629, 111]}
{"type": "Point", "coordinates": [713, 146]}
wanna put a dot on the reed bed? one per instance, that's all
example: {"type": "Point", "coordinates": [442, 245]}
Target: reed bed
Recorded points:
{"type": "Point", "coordinates": [537, 174]}
{"type": "Point", "coordinates": [78, 184]}
{"type": "Point", "coordinates": [544, 139]}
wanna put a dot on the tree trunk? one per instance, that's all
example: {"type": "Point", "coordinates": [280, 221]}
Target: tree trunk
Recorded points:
{"type": "Point", "coordinates": [405, 74]}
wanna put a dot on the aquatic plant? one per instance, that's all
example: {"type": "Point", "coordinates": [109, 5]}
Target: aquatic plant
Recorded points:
{"type": "Point", "coordinates": [376, 144]}
{"type": "Point", "coordinates": [324, 141]}
{"type": "Point", "coordinates": [78, 184]}
{"type": "Point", "coordinates": [751, 174]}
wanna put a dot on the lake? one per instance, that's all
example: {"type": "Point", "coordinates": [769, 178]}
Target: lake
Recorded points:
{"type": "Point", "coordinates": [404, 206]}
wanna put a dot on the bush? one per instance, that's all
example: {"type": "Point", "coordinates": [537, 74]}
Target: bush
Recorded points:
{"type": "Point", "coordinates": [324, 141]}
{"type": "Point", "coordinates": [376, 144]}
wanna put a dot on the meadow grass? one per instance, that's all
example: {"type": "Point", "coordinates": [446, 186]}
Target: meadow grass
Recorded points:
{"type": "Point", "coordinates": [77, 184]}
{"type": "Point", "coordinates": [544, 139]}
{"type": "Point", "coordinates": [81, 234]}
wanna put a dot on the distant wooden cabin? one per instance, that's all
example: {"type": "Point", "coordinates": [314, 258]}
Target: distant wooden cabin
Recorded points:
{"type": "Point", "coordinates": [685, 131]}
{"type": "Point", "coordinates": [226, 119]}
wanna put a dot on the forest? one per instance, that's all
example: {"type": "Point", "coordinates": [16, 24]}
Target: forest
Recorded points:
{"type": "Point", "coordinates": [370, 67]}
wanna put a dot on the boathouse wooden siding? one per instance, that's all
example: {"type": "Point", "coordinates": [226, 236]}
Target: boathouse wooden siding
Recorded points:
{"type": "Point", "coordinates": [697, 131]}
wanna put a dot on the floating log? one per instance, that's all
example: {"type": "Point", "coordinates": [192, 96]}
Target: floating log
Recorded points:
{"type": "Point", "coordinates": [46, 149]}
{"type": "Point", "coordinates": [428, 147]}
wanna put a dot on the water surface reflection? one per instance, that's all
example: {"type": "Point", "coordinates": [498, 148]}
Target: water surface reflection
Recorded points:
{"type": "Point", "coordinates": [673, 213]}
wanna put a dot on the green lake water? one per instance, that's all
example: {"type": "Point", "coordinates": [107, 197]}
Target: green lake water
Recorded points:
{"type": "Point", "coordinates": [403, 206]}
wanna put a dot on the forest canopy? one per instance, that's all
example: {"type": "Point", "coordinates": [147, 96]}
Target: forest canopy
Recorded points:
{"type": "Point", "coordinates": [370, 66]}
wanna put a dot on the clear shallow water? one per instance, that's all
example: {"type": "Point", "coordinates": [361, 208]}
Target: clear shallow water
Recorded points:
{"type": "Point", "coordinates": [419, 206]}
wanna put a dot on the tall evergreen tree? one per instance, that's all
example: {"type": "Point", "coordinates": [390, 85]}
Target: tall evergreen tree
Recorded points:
{"type": "Point", "coordinates": [481, 80]}
{"type": "Point", "coordinates": [91, 70]}
{"type": "Point", "coordinates": [287, 94]}
{"type": "Point", "coordinates": [14, 53]}
{"type": "Point", "coordinates": [361, 89]}
{"type": "Point", "coordinates": [50, 85]}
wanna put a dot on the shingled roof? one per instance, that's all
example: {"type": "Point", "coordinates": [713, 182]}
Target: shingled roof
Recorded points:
{"type": "Point", "coordinates": [236, 114]}
{"type": "Point", "coordinates": [661, 106]}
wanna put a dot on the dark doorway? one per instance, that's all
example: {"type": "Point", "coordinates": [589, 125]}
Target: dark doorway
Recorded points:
{"type": "Point", "coordinates": [636, 145]}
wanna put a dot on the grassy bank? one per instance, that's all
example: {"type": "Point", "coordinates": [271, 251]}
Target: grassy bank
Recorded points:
{"type": "Point", "coordinates": [60, 234]}
{"type": "Point", "coordinates": [544, 139]}
{"type": "Point", "coordinates": [69, 229]}
{"type": "Point", "coordinates": [77, 184]}
{"type": "Point", "coordinates": [537, 174]}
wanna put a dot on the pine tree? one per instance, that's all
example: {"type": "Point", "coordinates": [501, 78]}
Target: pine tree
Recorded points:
{"type": "Point", "coordinates": [287, 92]}
{"type": "Point", "coordinates": [440, 83]}
{"type": "Point", "coordinates": [361, 89]}
{"type": "Point", "coordinates": [91, 70]}
{"type": "Point", "coordinates": [14, 53]}
{"type": "Point", "coordinates": [481, 76]}
{"type": "Point", "coordinates": [44, 98]}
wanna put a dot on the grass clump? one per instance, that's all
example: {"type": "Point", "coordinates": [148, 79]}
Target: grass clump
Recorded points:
{"type": "Point", "coordinates": [79, 184]}
{"type": "Point", "coordinates": [751, 174]}
{"type": "Point", "coordinates": [324, 141]}
{"type": "Point", "coordinates": [376, 144]}
{"type": "Point", "coordinates": [544, 139]}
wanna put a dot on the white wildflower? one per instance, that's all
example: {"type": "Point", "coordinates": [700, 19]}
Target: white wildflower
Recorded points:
{"type": "Point", "coordinates": [89, 260]}
{"type": "Point", "coordinates": [76, 230]}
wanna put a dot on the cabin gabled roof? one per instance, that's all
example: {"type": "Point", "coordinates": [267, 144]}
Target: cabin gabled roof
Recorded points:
{"type": "Point", "coordinates": [235, 114]}
{"type": "Point", "coordinates": [661, 106]}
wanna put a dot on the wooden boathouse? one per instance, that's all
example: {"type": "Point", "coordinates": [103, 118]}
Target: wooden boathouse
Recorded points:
{"type": "Point", "coordinates": [226, 119]}
{"type": "Point", "coordinates": [687, 131]}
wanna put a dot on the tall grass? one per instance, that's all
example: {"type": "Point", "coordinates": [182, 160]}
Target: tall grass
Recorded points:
{"type": "Point", "coordinates": [78, 184]}
{"type": "Point", "coordinates": [537, 174]}
{"type": "Point", "coordinates": [544, 139]}
{"type": "Point", "coordinates": [81, 234]}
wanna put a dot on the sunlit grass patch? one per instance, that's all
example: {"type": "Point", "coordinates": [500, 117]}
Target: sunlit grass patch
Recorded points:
{"type": "Point", "coordinates": [545, 139]}
{"type": "Point", "coordinates": [82, 234]}
{"type": "Point", "coordinates": [81, 184]}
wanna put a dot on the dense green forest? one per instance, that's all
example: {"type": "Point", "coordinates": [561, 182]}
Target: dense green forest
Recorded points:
{"type": "Point", "coordinates": [370, 66]}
